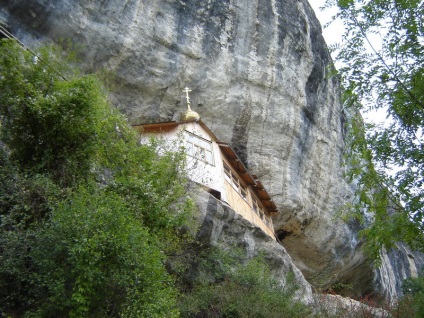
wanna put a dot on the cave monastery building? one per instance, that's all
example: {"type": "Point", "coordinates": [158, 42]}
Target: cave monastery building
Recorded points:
{"type": "Point", "coordinates": [214, 165]}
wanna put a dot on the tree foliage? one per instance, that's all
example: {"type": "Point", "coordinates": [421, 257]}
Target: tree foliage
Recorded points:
{"type": "Point", "coordinates": [50, 124]}
{"type": "Point", "coordinates": [84, 208]}
{"type": "Point", "coordinates": [413, 289]}
{"type": "Point", "coordinates": [383, 69]}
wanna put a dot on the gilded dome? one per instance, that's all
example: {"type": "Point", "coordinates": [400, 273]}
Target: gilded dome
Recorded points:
{"type": "Point", "coordinates": [190, 115]}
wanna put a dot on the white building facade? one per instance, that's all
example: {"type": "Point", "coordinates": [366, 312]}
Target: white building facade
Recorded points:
{"type": "Point", "coordinates": [214, 165]}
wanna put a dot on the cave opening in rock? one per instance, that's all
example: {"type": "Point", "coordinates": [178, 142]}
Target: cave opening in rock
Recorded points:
{"type": "Point", "coordinates": [282, 234]}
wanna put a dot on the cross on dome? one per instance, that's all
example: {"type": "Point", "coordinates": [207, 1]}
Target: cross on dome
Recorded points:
{"type": "Point", "coordinates": [186, 90]}
{"type": "Point", "coordinates": [189, 115]}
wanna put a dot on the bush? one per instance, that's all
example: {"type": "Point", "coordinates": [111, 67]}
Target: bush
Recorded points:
{"type": "Point", "coordinates": [84, 209]}
{"type": "Point", "coordinates": [413, 289]}
{"type": "Point", "coordinates": [226, 288]}
{"type": "Point", "coordinates": [51, 125]}
{"type": "Point", "coordinates": [89, 259]}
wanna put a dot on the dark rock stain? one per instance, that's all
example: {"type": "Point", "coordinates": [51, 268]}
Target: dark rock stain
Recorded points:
{"type": "Point", "coordinates": [32, 13]}
{"type": "Point", "coordinates": [315, 86]}
{"type": "Point", "coordinates": [218, 10]}
{"type": "Point", "coordinates": [316, 83]}
{"type": "Point", "coordinates": [205, 231]}
{"type": "Point", "coordinates": [265, 23]}
{"type": "Point", "coordinates": [240, 132]}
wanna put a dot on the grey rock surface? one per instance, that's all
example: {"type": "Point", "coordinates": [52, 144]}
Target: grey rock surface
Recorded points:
{"type": "Point", "coordinates": [221, 227]}
{"type": "Point", "coordinates": [259, 74]}
{"type": "Point", "coordinates": [397, 265]}
{"type": "Point", "coordinates": [337, 306]}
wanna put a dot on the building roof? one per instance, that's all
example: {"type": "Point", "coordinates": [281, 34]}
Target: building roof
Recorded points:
{"type": "Point", "coordinates": [228, 152]}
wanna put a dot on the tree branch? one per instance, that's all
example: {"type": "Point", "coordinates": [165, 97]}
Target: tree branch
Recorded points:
{"type": "Point", "coordinates": [395, 76]}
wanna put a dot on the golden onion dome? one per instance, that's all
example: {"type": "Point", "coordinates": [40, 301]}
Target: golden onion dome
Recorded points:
{"type": "Point", "coordinates": [190, 115]}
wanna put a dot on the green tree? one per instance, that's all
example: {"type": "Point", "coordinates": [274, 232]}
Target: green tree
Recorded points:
{"type": "Point", "coordinates": [84, 209]}
{"type": "Point", "coordinates": [383, 68]}
{"type": "Point", "coordinates": [50, 124]}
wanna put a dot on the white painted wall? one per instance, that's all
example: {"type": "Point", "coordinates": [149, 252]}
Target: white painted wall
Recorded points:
{"type": "Point", "coordinates": [202, 172]}
{"type": "Point", "coordinates": [210, 175]}
{"type": "Point", "coordinates": [199, 171]}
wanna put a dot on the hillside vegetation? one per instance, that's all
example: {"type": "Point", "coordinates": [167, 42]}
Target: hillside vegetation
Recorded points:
{"type": "Point", "coordinates": [93, 224]}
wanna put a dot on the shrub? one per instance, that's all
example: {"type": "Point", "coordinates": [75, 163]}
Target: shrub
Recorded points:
{"type": "Point", "coordinates": [413, 289]}
{"type": "Point", "coordinates": [51, 125]}
{"type": "Point", "coordinates": [84, 209]}
{"type": "Point", "coordinates": [225, 288]}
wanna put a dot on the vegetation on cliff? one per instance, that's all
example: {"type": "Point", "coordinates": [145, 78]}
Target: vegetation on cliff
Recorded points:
{"type": "Point", "coordinates": [91, 223]}
{"type": "Point", "coordinates": [83, 207]}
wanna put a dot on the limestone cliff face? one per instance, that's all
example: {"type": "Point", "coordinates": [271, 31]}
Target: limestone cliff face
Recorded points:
{"type": "Point", "coordinates": [397, 265]}
{"type": "Point", "coordinates": [221, 226]}
{"type": "Point", "coordinates": [259, 75]}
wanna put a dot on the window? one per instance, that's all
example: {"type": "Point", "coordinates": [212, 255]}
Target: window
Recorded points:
{"type": "Point", "coordinates": [199, 148]}
{"type": "Point", "coordinates": [232, 179]}
{"type": "Point", "coordinates": [260, 211]}
{"type": "Point", "coordinates": [243, 192]}
{"type": "Point", "coordinates": [267, 221]}
{"type": "Point", "coordinates": [227, 173]}
{"type": "Point", "coordinates": [235, 182]}
{"type": "Point", "coordinates": [255, 206]}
